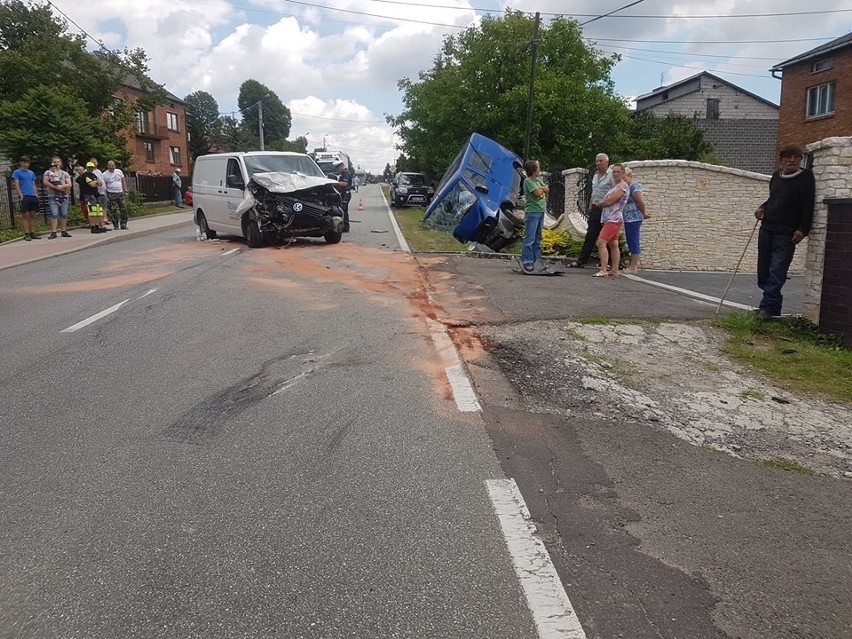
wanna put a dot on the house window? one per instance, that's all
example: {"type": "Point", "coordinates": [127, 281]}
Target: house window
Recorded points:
{"type": "Point", "coordinates": [149, 151]}
{"type": "Point", "coordinates": [174, 155]}
{"type": "Point", "coordinates": [172, 121]}
{"type": "Point", "coordinates": [822, 65]}
{"type": "Point", "coordinates": [712, 108]}
{"type": "Point", "coordinates": [820, 100]}
{"type": "Point", "coordinates": [142, 121]}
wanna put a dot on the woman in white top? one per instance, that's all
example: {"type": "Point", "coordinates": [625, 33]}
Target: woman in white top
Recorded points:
{"type": "Point", "coordinates": [612, 221]}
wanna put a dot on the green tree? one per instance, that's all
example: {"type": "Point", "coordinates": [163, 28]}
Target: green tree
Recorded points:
{"type": "Point", "coordinates": [37, 53]}
{"type": "Point", "coordinates": [480, 81]}
{"type": "Point", "coordinates": [202, 122]}
{"type": "Point", "coordinates": [671, 137]}
{"type": "Point", "coordinates": [276, 117]}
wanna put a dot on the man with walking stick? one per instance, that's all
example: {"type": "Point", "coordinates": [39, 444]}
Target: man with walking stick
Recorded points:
{"type": "Point", "coordinates": [785, 220]}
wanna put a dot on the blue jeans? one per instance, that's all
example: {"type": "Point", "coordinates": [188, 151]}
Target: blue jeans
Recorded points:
{"type": "Point", "coordinates": [58, 207]}
{"type": "Point", "coordinates": [531, 250]}
{"type": "Point", "coordinates": [774, 254]}
{"type": "Point", "coordinates": [178, 196]}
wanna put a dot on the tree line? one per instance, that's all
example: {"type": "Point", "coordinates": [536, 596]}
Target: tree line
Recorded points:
{"type": "Point", "coordinates": [479, 81]}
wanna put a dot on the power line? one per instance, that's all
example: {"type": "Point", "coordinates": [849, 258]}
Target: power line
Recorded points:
{"type": "Point", "coordinates": [596, 39]}
{"type": "Point", "coordinates": [684, 66]}
{"type": "Point", "coordinates": [691, 54]}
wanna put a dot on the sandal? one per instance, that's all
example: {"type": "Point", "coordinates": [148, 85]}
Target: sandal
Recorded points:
{"type": "Point", "coordinates": [576, 264]}
{"type": "Point", "coordinates": [600, 274]}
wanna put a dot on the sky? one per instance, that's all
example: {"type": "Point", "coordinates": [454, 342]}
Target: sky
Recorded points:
{"type": "Point", "coordinates": [336, 65]}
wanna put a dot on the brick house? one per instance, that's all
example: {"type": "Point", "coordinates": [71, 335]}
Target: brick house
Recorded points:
{"type": "Point", "coordinates": [816, 93]}
{"type": "Point", "coordinates": [740, 125]}
{"type": "Point", "coordinates": [158, 143]}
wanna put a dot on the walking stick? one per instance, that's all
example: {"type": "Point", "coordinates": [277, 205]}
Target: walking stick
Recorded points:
{"type": "Point", "coordinates": [731, 281]}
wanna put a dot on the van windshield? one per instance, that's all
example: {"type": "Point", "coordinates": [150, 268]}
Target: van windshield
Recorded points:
{"type": "Point", "coordinates": [300, 164]}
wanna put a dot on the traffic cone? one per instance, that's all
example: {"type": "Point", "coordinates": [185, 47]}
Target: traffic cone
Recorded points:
{"type": "Point", "coordinates": [360, 205]}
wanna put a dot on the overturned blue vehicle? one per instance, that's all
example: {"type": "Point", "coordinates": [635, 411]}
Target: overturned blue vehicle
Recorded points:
{"type": "Point", "coordinates": [475, 198]}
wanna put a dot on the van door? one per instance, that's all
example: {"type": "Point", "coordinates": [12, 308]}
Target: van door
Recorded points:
{"type": "Point", "coordinates": [234, 191]}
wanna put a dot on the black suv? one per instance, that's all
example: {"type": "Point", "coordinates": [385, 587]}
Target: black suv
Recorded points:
{"type": "Point", "coordinates": [409, 189]}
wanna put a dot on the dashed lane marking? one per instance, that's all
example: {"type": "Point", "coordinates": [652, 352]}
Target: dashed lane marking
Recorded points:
{"type": "Point", "coordinates": [551, 609]}
{"type": "Point", "coordinates": [463, 392]}
{"type": "Point", "coordinates": [94, 318]}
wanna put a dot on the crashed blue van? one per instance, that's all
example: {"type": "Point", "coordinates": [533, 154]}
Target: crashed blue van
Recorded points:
{"type": "Point", "coordinates": [476, 196]}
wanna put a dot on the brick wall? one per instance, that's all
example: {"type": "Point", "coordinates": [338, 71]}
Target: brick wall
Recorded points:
{"type": "Point", "coordinates": [793, 126]}
{"type": "Point", "coordinates": [743, 144]}
{"type": "Point", "coordinates": [701, 215]}
{"type": "Point", "coordinates": [832, 166]}
{"type": "Point", "coordinates": [161, 137]}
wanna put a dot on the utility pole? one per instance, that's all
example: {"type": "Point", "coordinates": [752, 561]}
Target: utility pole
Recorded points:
{"type": "Point", "coordinates": [532, 88]}
{"type": "Point", "coordinates": [260, 123]}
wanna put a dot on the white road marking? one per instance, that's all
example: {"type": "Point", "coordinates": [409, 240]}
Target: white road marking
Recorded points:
{"type": "Point", "coordinates": [551, 609]}
{"type": "Point", "coordinates": [686, 291]}
{"type": "Point", "coordinates": [148, 292]}
{"type": "Point", "coordinates": [231, 252]}
{"type": "Point", "coordinates": [94, 318]}
{"type": "Point", "coordinates": [463, 392]}
{"type": "Point", "coordinates": [399, 237]}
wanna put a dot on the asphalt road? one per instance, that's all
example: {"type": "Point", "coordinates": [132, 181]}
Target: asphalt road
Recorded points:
{"type": "Point", "coordinates": [254, 444]}
{"type": "Point", "coordinates": [265, 444]}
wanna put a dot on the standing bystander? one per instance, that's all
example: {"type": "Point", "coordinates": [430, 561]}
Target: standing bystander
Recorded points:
{"type": "Point", "coordinates": [634, 214]}
{"type": "Point", "coordinates": [116, 187]}
{"type": "Point", "coordinates": [25, 186]}
{"type": "Point", "coordinates": [176, 188]}
{"type": "Point", "coordinates": [92, 197]}
{"type": "Point", "coordinates": [612, 219]}
{"type": "Point", "coordinates": [80, 181]}
{"type": "Point", "coordinates": [58, 185]}
{"type": "Point", "coordinates": [602, 182]}
{"type": "Point", "coordinates": [535, 198]}
{"type": "Point", "coordinates": [102, 197]}
{"type": "Point", "coordinates": [785, 220]}
{"type": "Point", "coordinates": [344, 185]}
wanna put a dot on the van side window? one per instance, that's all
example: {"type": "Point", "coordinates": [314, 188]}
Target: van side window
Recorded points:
{"type": "Point", "coordinates": [234, 169]}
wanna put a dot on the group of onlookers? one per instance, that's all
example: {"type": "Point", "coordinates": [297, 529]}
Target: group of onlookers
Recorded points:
{"type": "Point", "coordinates": [98, 192]}
{"type": "Point", "coordinates": [617, 202]}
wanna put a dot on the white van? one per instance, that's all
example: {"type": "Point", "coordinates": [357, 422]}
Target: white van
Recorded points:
{"type": "Point", "coordinates": [265, 197]}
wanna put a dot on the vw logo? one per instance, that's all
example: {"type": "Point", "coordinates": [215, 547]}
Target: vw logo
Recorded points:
{"type": "Point", "coordinates": [297, 207]}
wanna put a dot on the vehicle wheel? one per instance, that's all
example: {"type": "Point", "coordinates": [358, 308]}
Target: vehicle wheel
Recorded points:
{"type": "Point", "coordinates": [253, 237]}
{"type": "Point", "coordinates": [202, 224]}
{"type": "Point", "coordinates": [333, 237]}
{"type": "Point", "coordinates": [517, 222]}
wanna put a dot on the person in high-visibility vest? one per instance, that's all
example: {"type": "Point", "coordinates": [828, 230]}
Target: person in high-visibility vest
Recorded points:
{"type": "Point", "coordinates": [89, 193]}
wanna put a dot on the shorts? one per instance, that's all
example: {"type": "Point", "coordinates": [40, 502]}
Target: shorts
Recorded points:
{"type": "Point", "coordinates": [610, 231]}
{"type": "Point", "coordinates": [29, 204]}
{"type": "Point", "coordinates": [58, 207]}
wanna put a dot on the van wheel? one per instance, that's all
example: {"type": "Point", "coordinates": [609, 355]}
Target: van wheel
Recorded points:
{"type": "Point", "coordinates": [202, 224]}
{"type": "Point", "coordinates": [333, 238]}
{"type": "Point", "coordinates": [253, 237]}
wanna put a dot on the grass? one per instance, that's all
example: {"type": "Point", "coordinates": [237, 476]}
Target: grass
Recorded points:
{"type": "Point", "coordinates": [422, 239]}
{"type": "Point", "coordinates": [752, 393]}
{"type": "Point", "coordinates": [787, 464]}
{"type": "Point", "coordinates": [792, 352]}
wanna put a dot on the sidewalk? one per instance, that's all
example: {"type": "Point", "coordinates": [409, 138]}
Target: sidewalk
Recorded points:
{"type": "Point", "coordinates": [18, 252]}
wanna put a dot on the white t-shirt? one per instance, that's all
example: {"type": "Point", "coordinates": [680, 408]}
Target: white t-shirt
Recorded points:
{"type": "Point", "coordinates": [100, 176]}
{"type": "Point", "coordinates": [112, 180]}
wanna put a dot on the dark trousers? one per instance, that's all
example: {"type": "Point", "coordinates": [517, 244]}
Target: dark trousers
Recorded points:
{"type": "Point", "coordinates": [345, 206]}
{"type": "Point", "coordinates": [591, 236]}
{"type": "Point", "coordinates": [774, 254]}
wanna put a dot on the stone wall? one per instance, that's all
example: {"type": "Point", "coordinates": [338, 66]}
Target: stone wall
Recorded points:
{"type": "Point", "coordinates": [701, 215]}
{"type": "Point", "coordinates": [832, 166]}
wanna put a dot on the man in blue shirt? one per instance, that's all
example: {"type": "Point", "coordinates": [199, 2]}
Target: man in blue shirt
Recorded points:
{"type": "Point", "coordinates": [25, 186]}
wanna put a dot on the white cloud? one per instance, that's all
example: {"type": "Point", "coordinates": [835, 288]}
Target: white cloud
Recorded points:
{"type": "Point", "coordinates": [345, 65]}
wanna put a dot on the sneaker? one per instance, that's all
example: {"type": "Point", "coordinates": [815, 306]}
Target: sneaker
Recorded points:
{"type": "Point", "coordinates": [34, 236]}
{"type": "Point", "coordinates": [65, 234]}
{"type": "Point", "coordinates": [124, 227]}
{"type": "Point", "coordinates": [52, 236]}
{"type": "Point", "coordinates": [528, 267]}
{"type": "Point", "coordinates": [764, 316]}
{"type": "Point", "coordinates": [27, 237]}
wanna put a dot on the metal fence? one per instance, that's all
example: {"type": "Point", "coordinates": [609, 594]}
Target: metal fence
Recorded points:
{"type": "Point", "coordinates": [155, 188]}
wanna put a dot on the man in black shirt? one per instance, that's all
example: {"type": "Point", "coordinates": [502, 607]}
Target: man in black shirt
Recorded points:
{"type": "Point", "coordinates": [785, 221]}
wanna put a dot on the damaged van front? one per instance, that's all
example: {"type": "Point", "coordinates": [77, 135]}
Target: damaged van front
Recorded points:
{"type": "Point", "coordinates": [267, 197]}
